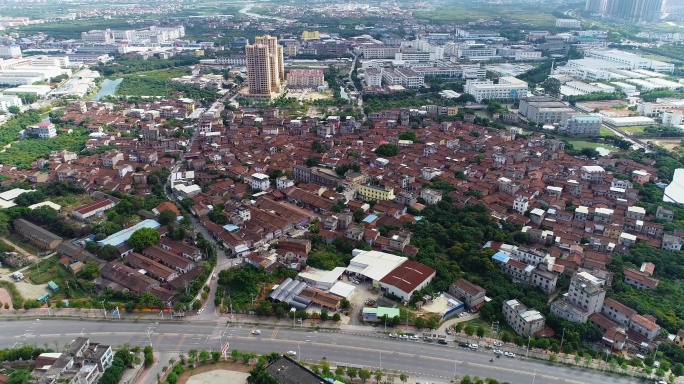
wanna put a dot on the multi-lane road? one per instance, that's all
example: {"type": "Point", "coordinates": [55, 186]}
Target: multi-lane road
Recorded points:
{"type": "Point", "coordinates": [358, 349]}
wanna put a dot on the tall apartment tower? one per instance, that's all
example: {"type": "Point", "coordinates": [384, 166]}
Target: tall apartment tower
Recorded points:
{"type": "Point", "coordinates": [265, 68]}
{"type": "Point", "coordinates": [632, 10]}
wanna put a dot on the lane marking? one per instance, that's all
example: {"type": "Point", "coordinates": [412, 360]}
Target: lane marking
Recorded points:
{"type": "Point", "coordinates": [180, 342]}
{"type": "Point", "coordinates": [275, 332]}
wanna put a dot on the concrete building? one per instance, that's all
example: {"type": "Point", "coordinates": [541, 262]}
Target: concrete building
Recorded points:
{"type": "Point", "coordinates": [524, 321]}
{"type": "Point", "coordinates": [260, 181]}
{"type": "Point", "coordinates": [7, 101]}
{"type": "Point", "coordinates": [410, 78]}
{"type": "Point", "coordinates": [377, 51]}
{"type": "Point", "coordinates": [585, 297]}
{"type": "Point", "coordinates": [44, 130]}
{"type": "Point", "coordinates": [568, 23]}
{"type": "Point", "coordinates": [582, 125]}
{"type": "Point", "coordinates": [10, 51]}
{"type": "Point", "coordinates": [36, 235]}
{"type": "Point", "coordinates": [632, 10]}
{"type": "Point", "coordinates": [265, 68]}
{"type": "Point", "coordinates": [377, 193]}
{"type": "Point", "coordinates": [472, 295]}
{"type": "Point", "coordinates": [509, 88]}
{"type": "Point", "coordinates": [373, 78]}
{"type": "Point", "coordinates": [305, 78]}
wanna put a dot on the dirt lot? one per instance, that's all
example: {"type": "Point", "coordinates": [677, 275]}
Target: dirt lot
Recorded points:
{"type": "Point", "coordinates": [216, 373]}
{"type": "Point", "coordinates": [5, 298]}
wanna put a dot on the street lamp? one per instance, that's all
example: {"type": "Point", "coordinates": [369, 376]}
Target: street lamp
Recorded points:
{"type": "Point", "coordinates": [104, 311]}
{"type": "Point", "coordinates": [294, 316]}
{"type": "Point", "coordinates": [529, 338]}
{"type": "Point", "coordinates": [299, 350]}
{"type": "Point", "coordinates": [562, 338]}
{"type": "Point", "coordinates": [535, 376]}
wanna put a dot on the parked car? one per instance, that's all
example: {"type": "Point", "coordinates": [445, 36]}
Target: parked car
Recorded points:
{"type": "Point", "coordinates": [413, 337]}
{"type": "Point", "coordinates": [498, 344]}
{"type": "Point", "coordinates": [656, 364]}
{"type": "Point", "coordinates": [256, 332]}
{"type": "Point", "coordinates": [498, 352]}
{"type": "Point", "coordinates": [291, 353]}
{"type": "Point", "coordinates": [393, 335]}
{"type": "Point", "coordinates": [464, 345]}
{"type": "Point", "coordinates": [442, 341]}
{"type": "Point", "coordinates": [403, 337]}
{"type": "Point", "coordinates": [473, 347]}
{"type": "Point", "coordinates": [199, 312]}
{"type": "Point", "coordinates": [448, 331]}
{"type": "Point", "coordinates": [509, 354]}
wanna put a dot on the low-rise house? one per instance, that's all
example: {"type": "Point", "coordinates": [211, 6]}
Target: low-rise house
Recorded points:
{"type": "Point", "coordinates": [37, 235]}
{"type": "Point", "coordinates": [640, 280]}
{"type": "Point", "coordinates": [472, 295]}
{"type": "Point", "coordinates": [524, 321]}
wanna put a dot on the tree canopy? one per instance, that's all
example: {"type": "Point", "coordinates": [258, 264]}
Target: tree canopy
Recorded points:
{"type": "Point", "coordinates": [143, 238]}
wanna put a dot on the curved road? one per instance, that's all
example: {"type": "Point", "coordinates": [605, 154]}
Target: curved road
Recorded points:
{"type": "Point", "coordinates": [340, 348]}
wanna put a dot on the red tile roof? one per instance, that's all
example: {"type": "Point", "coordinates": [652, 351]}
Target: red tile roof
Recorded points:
{"type": "Point", "coordinates": [408, 276]}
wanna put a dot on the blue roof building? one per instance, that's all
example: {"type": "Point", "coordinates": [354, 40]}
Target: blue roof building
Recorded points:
{"type": "Point", "coordinates": [119, 238]}
{"type": "Point", "coordinates": [500, 257]}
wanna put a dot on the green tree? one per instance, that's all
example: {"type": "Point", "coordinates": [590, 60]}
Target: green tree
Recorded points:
{"type": "Point", "coordinates": [506, 337]}
{"type": "Point", "coordinates": [149, 356]}
{"type": "Point", "coordinates": [403, 377]}
{"type": "Point", "coordinates": [387, 150]}
{"type": "Point", "coordinates": [324, 314]}
{"type": "Point", "coordinates": [204, 355]}
{"type": "Point", "coordinates": [552, 85]}
{"type": "Point", "coordinates": [89, 272]}
{"type": "Point", "coordinates": [458, 327]}
{"type": "Point", "coordinates": [352, 372]}
{"type": "Point", "coordinates": [480, 331]}
{"type": "Point", "coordinates": [678, 369]}
{"type": "Point", "coordinates": [364, 375]}
{"type": "Point", "coordinates": [377, 375]}
{"type": "Point", "coordinates": [143, 238]}
{"type": "Point", "coordinates": [358, 215]}
{"type": "Point", "coordinates": [469, 330]}
{"type": "Point", "coordinates": [167, 217]}
{"type": "Point", "coordinates": [336, 317]}
{"type": "Point", "coordinates": [408, 135]}
{"type": "Point", "coordinates": [419, 323]}
{"type": "Point", "coordinates": [279, 312]}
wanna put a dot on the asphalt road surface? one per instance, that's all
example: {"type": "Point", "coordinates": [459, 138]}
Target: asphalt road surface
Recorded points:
{"type": "Point", "coordinates": [344, 348]}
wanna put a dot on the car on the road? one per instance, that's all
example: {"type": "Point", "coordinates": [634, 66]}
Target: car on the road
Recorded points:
{"type": "Point", "coordinates": [393, 335]}
{"type": "Point", "coordinates": [413, 337]}
{"type": "Point", "coordinates": [443, 341]}
{"type": "Point", "coordinates": [199, 312]}
{"type": "Point", "coordinates": [498, 352]}
{"type": "Point", "coordinates": [509, 354]}
{"type": "Point", "coordinates": [498, 344]}
{"type": "Point", "coordinates": [256, 332]}
{"type": "Point", "coordinates": [473, 347]}
{"type": "Point", "coordinates": [464, 345]}
{"type": "Point", "coordinates": [403, 337]}
{"type": "Point", "coordinates": [448, 331]}
{"type": "Point", "coordinates": [291, 353]}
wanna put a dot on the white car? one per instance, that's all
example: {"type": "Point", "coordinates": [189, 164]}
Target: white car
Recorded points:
{"type": "Point", "coordinates": [656, 364]}
{"type": "Point", "coordinates": [509, 354]}
{"type": "Point", "coordinates": [413, 337]}
{"type": "Point", "coordinates": [291, 353]}
{"type": "Point", "coordinates": [199, 312]}
{"type": "Point", "coordinates": [393, 335]}
{"type": "Point", "coordinates": [498, 344]}
{"type": "Point", "coordinates": [256, 332]}
{"type": "Point", "coordinates": [473, 346]}
{"type": "Point", "coordinates": [498, 352]}
{"type": "Point", "coordinates": [403, 337]}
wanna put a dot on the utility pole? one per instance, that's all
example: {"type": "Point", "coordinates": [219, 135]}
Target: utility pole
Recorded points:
{"type": "Point", "coordinates": [562, 338]}
{"type": "Point", "coordinates": [529, 338]}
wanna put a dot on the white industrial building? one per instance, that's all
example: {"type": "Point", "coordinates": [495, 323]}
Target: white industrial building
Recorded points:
{"type": "Point", "coordinates": [582, 125]}
{"type": "Point", "coordinates": [7, 101]}
{"type": "Point", "coordinates": [38, 90]}
{"type": "Point", "coordinates": [395, 275]}
{"type": "Point", "coordinates": [629, 121]}
{"type": "Point", "coordinates": [30, 74]}
{"type": "Point", "coordinates": [509, 88]}
{"type": "Point", "coordinates": [568, 23]}
{"type": "Point", "coordinates": [10, 51]}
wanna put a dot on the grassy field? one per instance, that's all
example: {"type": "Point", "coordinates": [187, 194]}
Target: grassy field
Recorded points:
{"type": "Point", "coordinates": [160, 74]}
{"type": "Point", "coordinates": [19, 241]}
{"type": "Point", "coordinates": [632, 130]}
{"type": "Point", "coordinates": [605, 132]}
{"type": "Point", "coordinates": [465, 11]}
{"type": "Point", "coordinates": [601, 147]}
{"type": "Point", "coordinates": [48, 270]}
{"type": "Point", "coordinates": [658, 57]}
